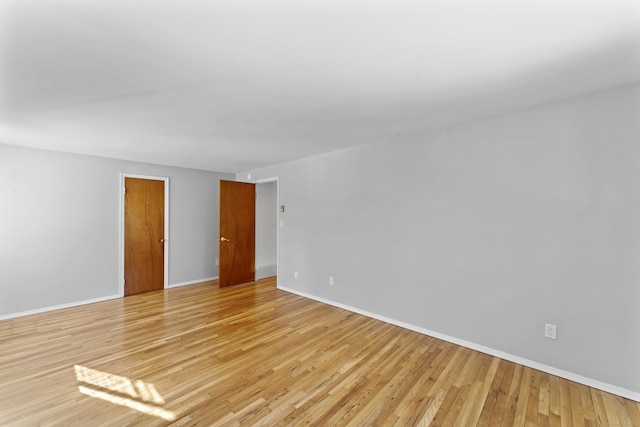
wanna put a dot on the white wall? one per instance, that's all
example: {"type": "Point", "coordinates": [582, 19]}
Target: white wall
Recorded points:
{"type": "Point", "coordinates": [59, 226]}
{"type": "Point", "coordinates": [484, 231]}
{"type": "Point", "coordinates": [266, 229]}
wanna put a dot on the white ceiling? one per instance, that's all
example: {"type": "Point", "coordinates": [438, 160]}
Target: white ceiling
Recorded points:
{"type": "Point", "coordinates": [231, 85]}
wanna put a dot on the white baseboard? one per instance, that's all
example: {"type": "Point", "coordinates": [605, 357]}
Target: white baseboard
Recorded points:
{"type": "Point", "coordinates": [57, 307]}
{"type": "Point", "coordinates": [590, 382]}
{"type": "Point", "coordinates": [192, 282]}
{"type": "Point", "coordinates": [268, 271]}
{"type": "Point", "coordinates": [89, 301]}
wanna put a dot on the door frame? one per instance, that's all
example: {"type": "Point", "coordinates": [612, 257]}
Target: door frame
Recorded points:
{"type": "Point", "coordinates": [124, 175]}
{"type": "Point", "coordinates": [275, 179]}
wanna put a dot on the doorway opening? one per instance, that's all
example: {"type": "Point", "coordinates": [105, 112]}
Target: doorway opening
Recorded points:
{"type": "Point", "coordinates": [249, 225]}
{"type": "Point", "coordinates": [267, 228]}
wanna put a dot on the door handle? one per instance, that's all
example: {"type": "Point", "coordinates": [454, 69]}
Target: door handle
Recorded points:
{"type": "Point", "coordinates": [161, 240]}
{"type": "Point", "coordinates": [224, 239]}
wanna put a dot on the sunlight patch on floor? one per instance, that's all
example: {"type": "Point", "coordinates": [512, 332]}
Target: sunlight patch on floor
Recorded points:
{"type": "Point", "coordinates": [138, 395]}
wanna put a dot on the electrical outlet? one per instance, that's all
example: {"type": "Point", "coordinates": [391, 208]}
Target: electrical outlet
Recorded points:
{"type": "Point", "coordinates": [295, 274]}
{"type": "Point", "coordinates": [331, 281]}
{"type": "Point", "coordinates": [550, 331]}
{"type": "Point", "coordinates": [217, 261]}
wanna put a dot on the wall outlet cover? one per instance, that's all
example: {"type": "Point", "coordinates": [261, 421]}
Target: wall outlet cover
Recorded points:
{"type": "Point", "coordinates": [550, 331]}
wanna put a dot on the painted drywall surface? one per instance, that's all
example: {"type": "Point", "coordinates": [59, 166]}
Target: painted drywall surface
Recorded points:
{"type": "Point", "coordinates": [266, 229]}
{"type": "Point", "coordinates": [60, 229]}
{"type": "Point", "coordinates": [485, 231]}
{"type": "Point", "coordinates": [194, 224]}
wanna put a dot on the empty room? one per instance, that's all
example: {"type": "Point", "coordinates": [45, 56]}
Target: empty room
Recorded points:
{"type": "Point", "coordinates": [281, 213]}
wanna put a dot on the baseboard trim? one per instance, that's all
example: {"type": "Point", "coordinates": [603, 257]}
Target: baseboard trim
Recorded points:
{"type": "Point", "coordinates": [90, 301]}
{"type": "Point", "coordinates": [590, 382]}
{"type": "Point", "coordinates": [57, 307]}
{"type": "Point", "coordinates": [192, 282]}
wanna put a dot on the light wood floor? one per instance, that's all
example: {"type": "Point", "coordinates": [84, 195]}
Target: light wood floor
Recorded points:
{"type": "Point", "coordinates": [255, 355]}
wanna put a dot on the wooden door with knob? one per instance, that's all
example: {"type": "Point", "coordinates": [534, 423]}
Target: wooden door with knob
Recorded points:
{"type": "Point", "coordinates": [144, 239]}
{"type": "Point", "coordinates": [237, 233]}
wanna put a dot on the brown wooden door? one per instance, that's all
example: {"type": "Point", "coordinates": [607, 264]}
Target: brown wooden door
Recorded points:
{"type": "Point", "coordinates": [143, 235]}
{"type": "Point", "coordinates": [237, 233]}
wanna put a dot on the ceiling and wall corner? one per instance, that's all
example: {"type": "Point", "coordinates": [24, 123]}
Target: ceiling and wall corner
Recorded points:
{"type": "Point", "coordinates": [236, 85]}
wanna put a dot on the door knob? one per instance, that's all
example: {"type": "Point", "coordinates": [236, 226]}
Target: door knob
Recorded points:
{"type": "Point", "coordinates": [161, 240]}
{"type": "Point", "coordinates": [224, 239]}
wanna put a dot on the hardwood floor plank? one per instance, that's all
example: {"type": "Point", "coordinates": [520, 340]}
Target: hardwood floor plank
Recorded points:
{"type": "Point", "coordinates": [509, 414]}
{"type": "Point", "coordinates": [599, 409]}
{"type": "Point", "coordinates": [491, 403]}
{"type": "Point", "coordinates": [477, 370]}
{"type": "Point", "coordinates": [433, 408]}
{"type": "Point", "coordinates": [566, 413]}
{"type": "Point", "coordinates": [531, 416]}
{"type": "Point", "coordinates": [255, 355]}
{"type": "Point", "coordinates": [523, 398]}
{"type": "Point", "coordinates": [633, 410]}
{"type": "Point", "coordinates": [480, 394]}
{"type": "Point", "coordinates": [587, 406]}
{"type": "Point", "coordinates": [545, 393]}
{"type": "Point", "coordinates": [501, 406]}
